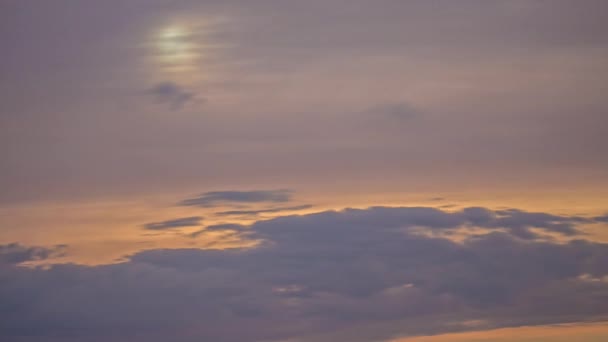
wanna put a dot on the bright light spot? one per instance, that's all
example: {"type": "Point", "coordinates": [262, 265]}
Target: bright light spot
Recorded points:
{"type": "Point", "coordinates": [178, 52]}
{"type": "Point", "coordinates": [182, 51]}
{"type": "Point", "coordinates": [177, 46]}
{"type": "Point", "coordinates": [173, 32]}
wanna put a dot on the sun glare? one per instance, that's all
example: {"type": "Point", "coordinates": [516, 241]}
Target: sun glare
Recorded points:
{"type": "Point", "coordinates": [177, 48]}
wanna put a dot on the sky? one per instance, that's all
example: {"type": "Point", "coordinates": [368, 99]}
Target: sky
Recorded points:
{"type": "Point", "coordinates": [304, 171]}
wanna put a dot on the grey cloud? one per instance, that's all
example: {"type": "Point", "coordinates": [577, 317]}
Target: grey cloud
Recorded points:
{"type": "Point", "coordinates": [15, 253]}
{"type": "Point", "coordinates": [516, 222]}
{"type": "Point", "coordinates": [225, 226]}
{"type": "Point", "coordinates": [175, 223]}
{"type": "Point", "coordinates": [519, 222]}
{"type": "Point", "coordinates": [602, 218]}
{"type": "Point", "coordinates": [262, 211]}
{"type": "Point", "coordinates": [328, 276]}
{"type": "Point", "coordinates": [172, 94]}
{"type": "Point", "coordinates": [214, 198]}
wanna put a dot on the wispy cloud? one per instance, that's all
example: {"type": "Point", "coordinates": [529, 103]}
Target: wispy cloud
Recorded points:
{"type": "Point", "coordinates": [262, 211]}
{"type": "Point", "coordinates": [175, 223]}
{"type": "Point", "coordinates": [214, 198]}
{"type": "Point", "coordinates": [172, 94]}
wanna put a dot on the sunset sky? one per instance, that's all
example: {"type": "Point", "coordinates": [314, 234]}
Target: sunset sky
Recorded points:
{"type": "Point", "coordinates": [304, 171]}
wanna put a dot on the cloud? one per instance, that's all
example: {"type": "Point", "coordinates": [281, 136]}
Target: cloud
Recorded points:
{"type": "Point", "coordinates": [225, 226]}
{"type": "Point", "coordinates": [215, 198]}
{"type": "Point", "coordinates": [357, 275]}
{"type": "Point", "coordinates": [262, 211]}
{"type": "Point", "coordinates": [176, 223]}
{"type": "Point", "coordinates": [172, 94]}
{"type": "Point", "coordinates": [15, 253]}
{"type": "Point", "coordinates": [602, 218]}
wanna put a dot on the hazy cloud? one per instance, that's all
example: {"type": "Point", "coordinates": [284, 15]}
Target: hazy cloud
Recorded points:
{"type": "Point", "coordinates": [262, 211]}
{"type": "Point", "coordinates": [176, 223]}
{"type": "Point", "coordinates": [172, 94]}
{"type": "Point", "coordinates": [478, 71]}
{"type": "Point", "coordinates": [214, 198]}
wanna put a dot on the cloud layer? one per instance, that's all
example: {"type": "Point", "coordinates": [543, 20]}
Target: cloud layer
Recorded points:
{"type": "Point", "coordinates": [356, 275]}
{"type": "Point", "coordinates": [302, 94]}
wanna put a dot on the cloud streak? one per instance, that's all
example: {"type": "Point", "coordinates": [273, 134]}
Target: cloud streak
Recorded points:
{"type": "Point", "coordinates": [262, 211]}
{"type": "Point", "coordinates": [216, 198]}
{"type": "Point", "coordinates": [175, 223]}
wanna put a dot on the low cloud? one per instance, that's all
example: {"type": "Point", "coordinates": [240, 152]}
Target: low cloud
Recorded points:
{"type": "Point", "coordinates": [176, 223]}
{"type": "Point", "coordinates": [353, 275]}
{"type": "Point", "coordinates": [15, 253]}
{"type": "Point", "coordinates": [216, 198]}
{"type": "Point", "coordinates": [172, 94]}
{"type": "Point", "coordinates": [602, 218]}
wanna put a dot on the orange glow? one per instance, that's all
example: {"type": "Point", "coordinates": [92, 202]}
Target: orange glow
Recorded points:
{"type": "Point", "coordinates": [583, 332]}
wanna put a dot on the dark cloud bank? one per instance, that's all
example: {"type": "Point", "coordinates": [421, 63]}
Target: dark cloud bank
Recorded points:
{"type": "Point", "coordinates": [353, 275]}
